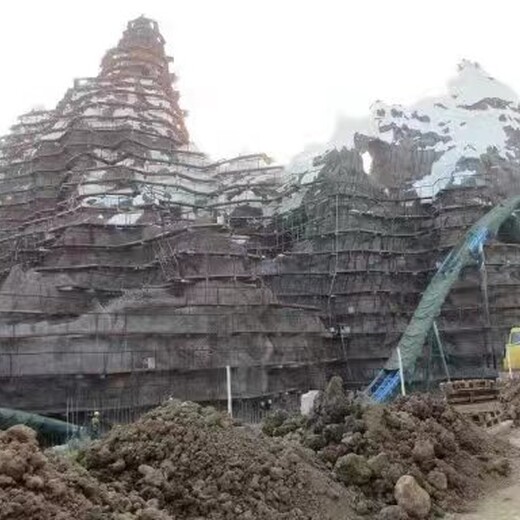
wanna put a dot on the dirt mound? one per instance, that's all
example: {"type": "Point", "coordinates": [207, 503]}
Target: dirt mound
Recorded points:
{"type": "Point", "coordinates": [370, 447]}
{"type": "Point", "coordinates": [190, 462]}
{"type": "Point", "coordinates": [36, 486]}
{"type": "Point", "coordinates": [185, 462]}
{"type": "Point", "coordinates": [509, 398]}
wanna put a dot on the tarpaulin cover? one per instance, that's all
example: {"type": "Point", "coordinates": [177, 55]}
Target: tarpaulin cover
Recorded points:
{"type": "Point", "coordinates": [467, 252]}
{"type": "Point", "coordinates": [49, 430]}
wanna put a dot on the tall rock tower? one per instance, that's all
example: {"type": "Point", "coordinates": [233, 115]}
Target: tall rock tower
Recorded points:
{"type": "Point", "coordinates": [140, 66]}
{"type": "Point", "coordinates": [125, 277]}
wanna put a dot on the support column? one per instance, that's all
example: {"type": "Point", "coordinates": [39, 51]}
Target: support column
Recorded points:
{"type": "Point", "coordinates": [401, 371]}
{"type": "Point", "coordinates": [441, 350]}
{"type": "Point", "coordinates": [229, 396]}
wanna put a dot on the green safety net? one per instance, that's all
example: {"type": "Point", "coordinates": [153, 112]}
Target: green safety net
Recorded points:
{"type": "Point", "coordinates": [466, 252]}
{"type": "Point", "coordinates": [510, 230]}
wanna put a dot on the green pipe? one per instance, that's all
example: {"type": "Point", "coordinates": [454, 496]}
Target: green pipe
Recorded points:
{"type": "Point", "coordinates": [49, 430]}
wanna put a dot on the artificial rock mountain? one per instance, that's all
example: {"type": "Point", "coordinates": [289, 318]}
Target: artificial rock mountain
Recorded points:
{"type": "Point", "coordinates": [134, 268]}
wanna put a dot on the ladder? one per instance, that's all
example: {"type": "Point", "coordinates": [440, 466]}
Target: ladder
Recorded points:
{"type": "Point", "coordinates": [167, 259]}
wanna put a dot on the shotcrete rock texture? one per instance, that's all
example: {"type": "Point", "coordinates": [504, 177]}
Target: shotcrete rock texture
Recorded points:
{"type": "Point", "coordinates": [133, 267]}
{"type": "Point", "coordinates": [124, 279]}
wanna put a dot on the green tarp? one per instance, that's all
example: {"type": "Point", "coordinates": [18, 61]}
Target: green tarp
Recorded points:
{"type": "Point", "coordinates": [467, 252]}
{"type": "Point", "coordinates": [50, 431]}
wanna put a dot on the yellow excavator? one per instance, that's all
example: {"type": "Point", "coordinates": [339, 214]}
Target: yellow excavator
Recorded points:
{"type": "Point", "coordinates": [512, 352]}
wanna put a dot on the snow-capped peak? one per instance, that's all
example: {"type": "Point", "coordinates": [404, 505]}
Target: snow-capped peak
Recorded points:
{"type": "Point", "coordinates": [474, 115]}
{"type": "Point", "coordinates": [473, 84]}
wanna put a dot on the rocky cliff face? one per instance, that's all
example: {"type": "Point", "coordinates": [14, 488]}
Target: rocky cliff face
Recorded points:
{"type": "Point", "coordinates": [435, 167]}
{"type": "Point", "coordinates": [438, 142]}
{"type": "Point", "coordinates": [125, 276]}
{"type": "Point", "coordinates": [134, 267]}
{"type": "Point", "coordinates": [477, 115]}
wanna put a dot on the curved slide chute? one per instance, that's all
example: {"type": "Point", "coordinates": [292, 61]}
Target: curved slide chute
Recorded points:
{"type": "Point", "coordinates": [466, 252]}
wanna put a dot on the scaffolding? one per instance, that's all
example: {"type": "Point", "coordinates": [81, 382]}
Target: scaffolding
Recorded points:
{"type": "Point", "coordinates": [135, 267]}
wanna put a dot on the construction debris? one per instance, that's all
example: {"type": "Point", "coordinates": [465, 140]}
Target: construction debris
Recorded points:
{"type": "Point", "coordinates": [417, 450]}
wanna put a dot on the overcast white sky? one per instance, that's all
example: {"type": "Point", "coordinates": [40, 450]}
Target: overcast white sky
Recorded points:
{"type": "Point", "coordinates": [262, 75]}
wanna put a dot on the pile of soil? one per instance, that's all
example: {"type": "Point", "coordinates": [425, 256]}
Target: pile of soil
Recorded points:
{"type": "Point", "coordinates": [44, 487]}
{"type": "Point", "coordinates": [509, 398]}
{"type": "Point", "coordinates": [370, 448]}
{"type": "Point", "coordinates": [190, 462]}
{"type": "Point", "coordinates": [185, 462]}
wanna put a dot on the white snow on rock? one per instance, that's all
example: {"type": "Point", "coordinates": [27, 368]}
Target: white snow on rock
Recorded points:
{"type": "Point", "coordinates": [468, 120]}
{"type": "Point", "coordinates": [125, 219]}
{"type": "Point", "coordinates": [473, 116]}
{"type": "Point", "coordinates": [344, 133]}
{"type": "Point", "coordinates": [367, 162]}
{"type": "Point", "coordinates": [465, 122]}
{"type": "Point", "coordinates": [472, 83]}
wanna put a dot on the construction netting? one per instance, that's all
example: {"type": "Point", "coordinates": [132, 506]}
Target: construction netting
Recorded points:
{"type": "Point", "coordinates": [49, 430]}
{"type": "Point", "coordinates": [469, 251]}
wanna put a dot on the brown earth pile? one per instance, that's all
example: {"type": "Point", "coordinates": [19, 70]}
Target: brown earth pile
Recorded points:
{"type": "Point", "coordinates": [190, 462]}
{"type": "Point", "coordinates": [411, 459]}
{"type": "Point", "coordinates": [509, 398]}
{"type": "Point", "coordinates": [370, 447]}
{"type": "Point", "coordinates": [37, 486]}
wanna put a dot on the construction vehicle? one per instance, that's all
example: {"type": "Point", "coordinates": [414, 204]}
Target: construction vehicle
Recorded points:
{"type": "Point", "coordinates": [512, 352]}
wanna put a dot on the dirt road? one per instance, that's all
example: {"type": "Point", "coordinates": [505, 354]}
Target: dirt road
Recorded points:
{"type": "Point", "coordinates": [504, 503]}
{"type": "Point", "coordinates": [501, 505]}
